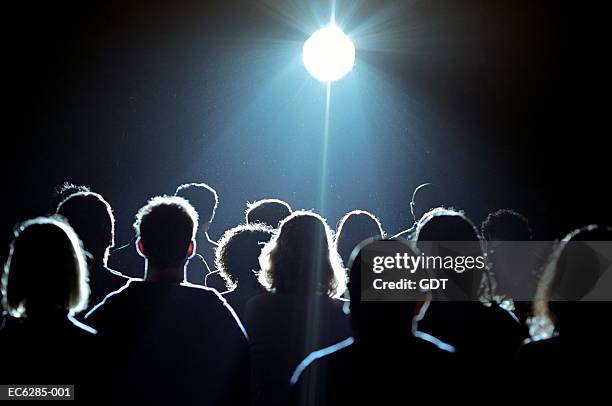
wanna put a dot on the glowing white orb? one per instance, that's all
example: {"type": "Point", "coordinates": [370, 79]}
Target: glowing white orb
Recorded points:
{"type": "Point", "coordinates": [328, 54]}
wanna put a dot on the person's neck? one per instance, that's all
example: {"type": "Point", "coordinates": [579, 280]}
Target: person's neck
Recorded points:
{"type": "Point", "coordinates": [166, 275]}
{"type": "Point", "coordinates": [203, 237]}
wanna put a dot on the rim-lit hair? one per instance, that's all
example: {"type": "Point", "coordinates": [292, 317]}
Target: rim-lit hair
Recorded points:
{"type": "Point", "coordinates": [375, 221]}
{"type": "Point", "coordinates": [300, 258]}
{"type": "Point", "coordinates": [202, 197]}
{"type": "Point", "coordinates": [267, 211]}
{"type": "Point", "coordinates": [92, 218]}
{"type": "Point", "coordinates": [251, 234]}
{"type": "Point", "coordinates": [166, 225]}
{"type": "Point", "coordinates": [46, 269]}
{"type": "Point", "coordinates": [463, 230]}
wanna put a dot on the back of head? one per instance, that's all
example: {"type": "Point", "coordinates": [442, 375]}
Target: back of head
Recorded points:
{"type": "Point", "coordinates": [448, 233]}
{"type": "Point", "coordinates": [202, 197]}
{"type": "Point", "coordinates": [165, 227]}
{"type": "Point", "coordinates": [441, 224]}
{"type": "Point", "coordinates": [64, 190]}
{"type": "Point", "coordinates": [572, 271]}
{"type": "Point", "coordinates": [353, 228]}
{"type": "Point", "coordinates": [237, 256]}
{"type": "Point", "coordinates": [267, 211]}
{"type": "Point", "coordinates": [506, 225]}
{"type": "Point", "coordinates": [426, 197]}
{"type": "Point", "coordinates": [46, 271]}
{"type": "Point", "coordinates": [300, 258]}
{"type": "Point", "coordinates": [92, 219]}
{"type": "Point", "coordinates": [381, 320]}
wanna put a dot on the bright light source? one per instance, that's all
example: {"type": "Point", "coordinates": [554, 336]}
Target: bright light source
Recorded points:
{"type": "Point", "coordinates": [328, 54]}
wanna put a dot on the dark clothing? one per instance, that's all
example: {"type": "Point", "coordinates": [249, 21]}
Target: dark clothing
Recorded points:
{"type": "Point", "coordinates": [387, 372]}
{"type": "Point", "coordinates": [283, 330]}
{"type": "Point", "coordinates": [175, 343]}
{"type": "Point", "coordinates": [240, 297]}
{"type": "Point", "coordinates": [484, 335]}
{"type": "Point", "coordinates": [49, 349]}
{"type": "Point", "coordinates": [103, 281]}
{"type": "Point", "coordinates": [127, 260]}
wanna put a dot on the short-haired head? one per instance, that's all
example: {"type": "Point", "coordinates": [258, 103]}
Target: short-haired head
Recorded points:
{"type": "Point", "coordinates": [92, 219]}
{"type": "Point", "coordinates": [166, 228]}
{"type": "Point", "coordinates": [300, 258]}
{"type": "Point", "coordinates": [237, 255]}
{"type": "Point", "coordinates": [203, 198]}
{"type": "Point", "coordinates": [267, 211]}
{"type": "Point", "coordinates": [506, 225]}
{"type": "Point", "coordinates": [353, 228]}
{"type": "Point", "coordinates": [46, 271]}
{"type": "Point", "coordinates": [444, 224]}
{"type": "Point", "coordinates": [66, 189]}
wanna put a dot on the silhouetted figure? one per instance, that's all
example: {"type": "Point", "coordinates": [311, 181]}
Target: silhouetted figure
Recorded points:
{"type": "Point", "coordinates": [304, 276]}
{"type": "Point", "coordinates": [174, 342]}
{"type": "Point", "coordinates": [205, 200]}
{"type": "Point", "coordinates": [267, 211]}
{"type": "Point", "coordinates": [92, 219]}
{"type": "Point", "coordinates": [353, 228]}
{"type": "Point", "coordinates": [62, 192]}
{"type": "Point", "coordinates": [237, 261]}
{"type": "Point", "coordinates": [482, 333]}
{"type": "Point", "coordinates": [425, 197]}
{"type": "Point", "coordinates": [570, 333]}
{"type": "Point", "coordinates": [44, 284]}
{"type": "Point", "coordinates": [515, 262]}
{"type": "Point", "coordinates": [385, 355]}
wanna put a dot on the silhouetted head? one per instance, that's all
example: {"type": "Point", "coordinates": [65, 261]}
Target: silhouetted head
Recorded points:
{"type": "Point", "coordinates": [46, 272]}
{"type": "Point", "coordinates": [506, 225]}
{"type": "Point", "coordinates": [442, 224]}
{"type": "Point", "coordinates": [203, 198]}
{"type": "Point", "coordinates": [448, 226]}
{"type": "Point", "coordinates": [572, 271]}
{"type": "Point", "coordinates": [165, 230]}
{"type": "Point", "coordinates": [237, 256]}
{"type": "Point", "coordinates": [300, 258]}
{"type": "Point", "coordinates": [64, 190]}
{"type": "Point", "coordinates": [380, 320]}
{"type": "Point", "coordinates": [92, 219]}
{"type": "Point", "coordinates": [353, 228]}
{"type": "Point", "coordinates": [267, 211]}
{"type": "Point", "coordinates": [426, 197]}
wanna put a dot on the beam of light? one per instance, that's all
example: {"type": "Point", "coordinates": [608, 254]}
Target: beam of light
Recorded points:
{"type": "Point", "coordinates": [323, 194]}
{"type": "Point", "coordinates": [329, 54]}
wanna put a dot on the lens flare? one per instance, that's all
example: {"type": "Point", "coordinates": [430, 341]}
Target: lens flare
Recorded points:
{"type": "Point", "coordinates": [328, 54]}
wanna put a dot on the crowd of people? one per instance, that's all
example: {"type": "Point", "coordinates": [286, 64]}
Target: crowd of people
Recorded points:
{"type": "Point", "coordinates": [270, 313]}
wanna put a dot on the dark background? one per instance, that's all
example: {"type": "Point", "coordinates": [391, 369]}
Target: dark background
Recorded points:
{"type": "Point", "coordinates": [132, 98]}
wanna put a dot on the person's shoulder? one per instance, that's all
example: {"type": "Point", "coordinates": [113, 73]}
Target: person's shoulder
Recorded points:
{"type": "Point", "coordinates": [433, 344]}
{"type": "Point", "coordinates": [82, 329]}
{"type": "Point", "coordinates": [201, 291]}
{"type": "Point", "coordinates": [114, 296]}
{"type": "Point", "coordinates": [326, 355]}
{"type": "Point", "coordinates": [117, 274]}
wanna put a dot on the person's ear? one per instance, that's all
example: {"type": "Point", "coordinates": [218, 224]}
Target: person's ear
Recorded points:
{"type": "Point", "coordinates": [140, 248]}
{"type": "Point", "coordinates": [191, 249]}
